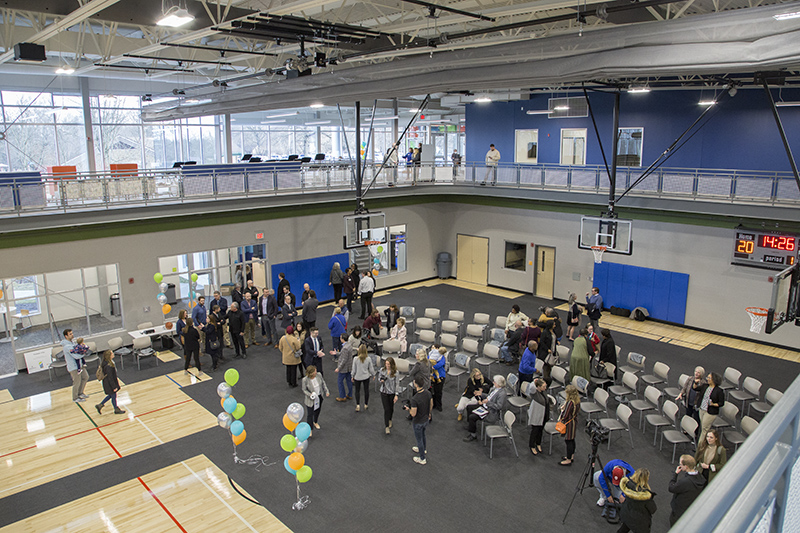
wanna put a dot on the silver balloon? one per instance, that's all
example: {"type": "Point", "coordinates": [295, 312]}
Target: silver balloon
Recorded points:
{"type": "Point", "coordinates": [163, 287]}
{"type": "Point", "coordinates": [295, 412]}
{"type": "Point", "coordinates": [302, 446]}
{"type": "Point", "coordinates": [162, 299]}
{"type": "Point", "coordinates": [224, 420]}
{"type": "Point", "coordinates": [224, 390]}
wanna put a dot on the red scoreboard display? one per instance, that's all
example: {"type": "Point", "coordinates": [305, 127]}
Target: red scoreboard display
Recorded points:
{"type": "Point", "coordinates": [774, 250]}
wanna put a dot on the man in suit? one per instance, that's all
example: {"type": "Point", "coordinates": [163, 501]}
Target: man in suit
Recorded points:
{"type": "Point", "coordinates": [250, 309]}
{"type": "Point", "coordinates": [268, 311]}
{"type": "Point", "coordinates": [310, 310]}
{"type": "Point", "coordinates": [287, 292]}
{"type": "Point", "coordinates": [306, 293]}
{"type": "Point", "coordinates": [236, 323]}
{"type": "Point", "coordinates": [283, 282]}
{"type": "Point", "coordinates": [223, 311]}
{"type": "Point", "coordinates": [313, 350]}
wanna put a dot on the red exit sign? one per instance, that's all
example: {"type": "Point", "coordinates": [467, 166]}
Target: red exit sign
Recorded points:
{"type": "Point", "coordinates": [259, 236]}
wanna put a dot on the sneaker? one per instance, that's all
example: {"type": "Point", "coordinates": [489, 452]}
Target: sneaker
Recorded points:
{"type": "Point", "coordinates": [82, 395]}
{"type": "Point", "coordinates": [420, 461]}
{"type": "Point", "coordinates": [119, 411]}
{"type": "Point", "coordinates": [470, 438]}
{"type": "Point", "coordinates": [99, 408]}
{"type": "Point", "coordinates": [79, 399]}
{"type": "Point", "coordinates": [341, 400]}
{"type": "Point", "coordinates": [390, 423]}
{"type": "Point", "coordinates": [358, 408]}
{"type": "Point", "coordinates": [366, 407]}
{"type": "Point", "coordinates": [460, 417]}
{"type": "Point", "coordinates": [601, 502]}
{"type": "Point", "coordinates": [415, 449]}
{"type": "Point", "coordinates": [388, 430]}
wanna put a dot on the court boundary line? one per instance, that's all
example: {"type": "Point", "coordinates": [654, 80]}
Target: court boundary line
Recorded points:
{"type": "Point", "coordinates": [162, 505]}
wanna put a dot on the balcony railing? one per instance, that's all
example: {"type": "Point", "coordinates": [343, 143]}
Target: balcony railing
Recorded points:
{"type": "Point", "coordinates": [105, 190]}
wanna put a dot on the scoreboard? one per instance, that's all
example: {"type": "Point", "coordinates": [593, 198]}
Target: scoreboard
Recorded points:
{"type": "Point", "coordinates": [764, 249]}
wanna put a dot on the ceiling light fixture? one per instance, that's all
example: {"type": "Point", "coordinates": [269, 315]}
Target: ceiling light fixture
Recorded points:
{"type": "Point", "coordinates": [482, 100]}
{"type": "Point", "coordinates": [66, 69]}
{"type": "Point", "coordinates": [318, 123]}
{"type": "Point", "coordinates": [387, 118]}
{"type": "Point", "coordinates": [638, 89]}
{"type": "Point", "coordinates": [175, 17]}
{"type": "Point", "coordinates": [283, 115]}
{"type": "Point", "coordinates": [787, 16]}
{"type": "Point", "coordinates": [273, 121]}
{"type": "Point", "coordinates": [706, 102]}
{"type": "Point", "coordinates": [413, 109]}
{"type": "Point", "coordinates": [537, 112]}
{"type": "Point", "coordinates": [561, 108]}
{"type": "Point", "coordinates": [316, 106]}
{"type": "Point", "coordinates": [787, 104]}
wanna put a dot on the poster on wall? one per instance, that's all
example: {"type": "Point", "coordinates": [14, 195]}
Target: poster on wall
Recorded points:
{"type": "Point", "coordinates": [526, 146]}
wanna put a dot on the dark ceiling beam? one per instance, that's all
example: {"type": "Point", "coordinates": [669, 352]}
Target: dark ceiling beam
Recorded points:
{"type": "Point", "coordinates": [288, 20]}
{"type": "Point", "coordinates": [140, 67]}
{"type": "Point", "coordinates": [434, 7]}
{"type": "Point", "coordinates": [222, 51]}
{"type": "Point", "coordinates": [177, 59]}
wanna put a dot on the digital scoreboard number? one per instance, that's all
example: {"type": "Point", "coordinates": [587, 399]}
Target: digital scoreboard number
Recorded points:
{"type": "Point", "coordinates": [762, 249]}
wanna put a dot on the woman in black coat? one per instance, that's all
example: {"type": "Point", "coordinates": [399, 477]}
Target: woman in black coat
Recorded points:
{"type": "Point", "coordinates": [191, 345]}
{"type": "Point", "coordinates": [110, 383]}
{"type": "Point", "coordinates": [213, 341]}
{"type": "Point", "coordinates": [638, 507]}
{"type": "Point", "coordinates": [608, 350]}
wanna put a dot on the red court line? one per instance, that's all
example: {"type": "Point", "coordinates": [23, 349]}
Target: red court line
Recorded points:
{"type": "Point", "coordinates": [109, 443]}
{"type": "Point", "coordinates": [103, 426]}
{"type": "Point", "coordinates": [162, 505]}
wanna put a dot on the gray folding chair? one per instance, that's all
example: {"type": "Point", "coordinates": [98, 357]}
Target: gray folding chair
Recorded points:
{"type": "Point", "coordinates": [491, 354]}
{"type": "Point", "coordinates": [651, 402]}
{"type": "Point", "coordinates": [751, 391]}
{"type": "Point", "coordinates": [599, 405]}
{"type": "Point", "coordinates": [673, 392]}
{"type": "Point", "coordinates": [55, 361]}
{"type": "Point", "coordinates": [727, 416]}
{"type": "Point", "coordinates": [500, 322]}
{"type": "Point", "coordinates": [730, 379]}
{"type": "Point", "coordinates": [749, 425]}
{"type": "Point", "coordinates": [660, 374]}
{"type": "Point", "coordinates": [142, 347]}
{"type": "Point", "coordinates": [628, 387]}
{"type": "Point", "coordinates": [502, 431]}
{"type": "Point", "coordinates": [621, 423]}
{"type": "Point", "coordinates": [635, 363]}
{"type": "Point", "coordinates": [771, 397]}
{"type": "Point", "coordinates": [514, 400]}
{"type": "Point", "coordinates": [459, 365]}
{"type": "Point", "coordinates": [680, 436]}
{"type": "Point", "coordinates": [667, 418]}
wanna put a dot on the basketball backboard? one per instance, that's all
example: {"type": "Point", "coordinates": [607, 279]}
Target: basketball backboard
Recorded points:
{"type": "Point", "coordinates": [785, 298]}
{"type": "Point", "coordinates": [613, 233]}
{"type": "Point", "coordinates": [362, 229]}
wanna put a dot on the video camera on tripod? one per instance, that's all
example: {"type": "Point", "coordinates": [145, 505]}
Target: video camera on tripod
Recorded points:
{"type": "Point", "coordinates": [597, 433]}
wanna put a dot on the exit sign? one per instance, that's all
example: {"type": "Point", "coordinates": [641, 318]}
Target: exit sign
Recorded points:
{"type": "Point", "coordinates": [259, 236]}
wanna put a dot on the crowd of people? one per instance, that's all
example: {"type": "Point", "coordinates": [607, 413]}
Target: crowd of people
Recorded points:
{"type": "Point", "coordinates": [530, 344]}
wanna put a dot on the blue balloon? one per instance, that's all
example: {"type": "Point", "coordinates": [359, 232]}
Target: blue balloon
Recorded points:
{"type": "Point", "coordinates": [237, 427]}
{"type": "Point", "coordinates": [229, 404]}
{"type": "Point", "coordinates": [160, 294]}
{"type": "Point", "coordinates": [287, 467]}
{"type": "Point", "coordinates": [302, 431]}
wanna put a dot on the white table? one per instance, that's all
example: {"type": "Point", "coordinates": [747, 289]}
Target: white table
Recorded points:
{"type": "Point", "coordinates": [5, 312]}
{"type": "Point", "coordinates": [155, 331]}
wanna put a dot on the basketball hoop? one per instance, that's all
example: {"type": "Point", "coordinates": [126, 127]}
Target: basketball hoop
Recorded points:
{"type": "Point", "coordinates": [758, 317]}
{"type": "Point", "coordinates": [369, 243]}
{"type": "Point", "coordinates": [598, 253]}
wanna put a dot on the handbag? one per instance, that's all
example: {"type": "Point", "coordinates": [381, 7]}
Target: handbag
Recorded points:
{"type": "Point", "coordinates": [298, 354]}
{"type": "Point", "coordinates": [214, 345]}
{"type": "Point", "coordinates": [561, 427]}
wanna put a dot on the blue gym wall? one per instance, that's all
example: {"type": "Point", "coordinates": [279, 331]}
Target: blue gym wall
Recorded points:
{"type": "Point", "coordinates": [661, 292]}
{"type": "Point", "coordinates": [741, 133]}
{"type": "Point", "coordinates": [316, 272]}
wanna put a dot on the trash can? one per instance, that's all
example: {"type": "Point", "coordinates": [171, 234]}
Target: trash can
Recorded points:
{"type": "Point", "coordinates": [172, 298]}
{"type": "Point", "coordinates": [444, 265]}
{"type": "Point", "coordinates": [116, 310]}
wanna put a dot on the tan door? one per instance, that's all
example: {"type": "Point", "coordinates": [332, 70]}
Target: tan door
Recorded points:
{"type": "Point", "coordinates": [472, 259]}
{"type": "Point", "coordinates": [545, 271]}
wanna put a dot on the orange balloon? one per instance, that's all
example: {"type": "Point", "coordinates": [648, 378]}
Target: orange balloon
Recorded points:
{"type": "Point", "coordinates": [375, 272]}
{"type": "Point", "coordinates": [194, 303]}
{"type": "Point", "coordinates": [168, 325]}
{"type": "Point", "coordinates": [296, 461]}
{"type": "Point", "coordinates": [1, 293]}
{"type": "Point", "coordinates": [238, 439]}
{"type": "Point", "coordinates": [288, 424]}
{"type": "Point", "coordinates": [166, 308]}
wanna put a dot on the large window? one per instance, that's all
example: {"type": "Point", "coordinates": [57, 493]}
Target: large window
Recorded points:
{"type": "Point", "coordinates": [573, 146]}
{"type": "Point", "coordinates": [40, 306]}
{"type": "Point", "coordinates": [629, 149]}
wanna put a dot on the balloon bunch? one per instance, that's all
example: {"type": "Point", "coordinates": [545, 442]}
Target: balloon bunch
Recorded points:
{"type": "Point", "coordinates": [297, 444]}
{"type": "Point", "coordinates": [162, 295]}
{"type": "Point", "coordinates": [230, 418]}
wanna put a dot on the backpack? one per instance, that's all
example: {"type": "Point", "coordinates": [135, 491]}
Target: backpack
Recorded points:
{"type": "Point", "coordinates": [638, 315]}
{"type": "Point", "coordinates": [100, 374]}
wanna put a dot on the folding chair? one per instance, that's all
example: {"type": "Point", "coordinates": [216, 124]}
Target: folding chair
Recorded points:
{"type": "Point", "coordinates": [668, 417]}
{"type": "Point", "coordinates": [55, 361]}
{"type": "Point", "coordinates": [599, 405]}
{"type": "Point", "coordinates": [517, 401]}
{"type": "Point", "coordinates": [651, 402]}
{"type": "Point", "coordinates": [459, 366]}
{"type": "Point", "coordinates": [502, 431]}
{"type": "Point", "coordinates": [491, 354]}
{"type": "Point", "coordinates": [635, 363]}
{"type": "Point", "coordinates": [749, 425]}
{"type": "Point", "coordinates": [770, 399]}
{"type": "Point", "coordinates": [660, 374]}
{"type": "Point", "coordinates": [142, 347]}
{"type": "Point", "coordinates": [685, 434]}
{"type": "Point", "coordinates": [622, 422]}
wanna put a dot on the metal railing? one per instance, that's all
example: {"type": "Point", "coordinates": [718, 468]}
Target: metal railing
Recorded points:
{"type": "Point", "coordinates": [759, 488]}
{"type": "Point", "coordinates": [105, 190]}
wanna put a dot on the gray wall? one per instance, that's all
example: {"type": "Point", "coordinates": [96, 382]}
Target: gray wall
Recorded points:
{"type": "Point", "coordinates": [718, 291]}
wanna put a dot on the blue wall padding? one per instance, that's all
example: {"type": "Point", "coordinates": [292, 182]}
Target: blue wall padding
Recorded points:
{"type": "Point", "coordinates": [661, 292]}
{"type": "Point", "coordinates": [316, 272]}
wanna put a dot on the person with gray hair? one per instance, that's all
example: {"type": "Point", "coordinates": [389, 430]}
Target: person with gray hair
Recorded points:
{"type": "Point", "coordinates": [488, 410]}
{"type": "Point", "coordinates": [689, 392]}
{"type": "Point", "coordinates": [337, 280]}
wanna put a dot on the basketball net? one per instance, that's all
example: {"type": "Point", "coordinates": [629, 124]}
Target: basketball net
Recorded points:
{"type": "Point", "coordinates": [598, 253]}
{"type": "Point", "coordinates": [758, 317]}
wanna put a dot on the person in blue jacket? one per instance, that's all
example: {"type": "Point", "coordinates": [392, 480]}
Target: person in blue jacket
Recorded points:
{"type": "Point", "coordinates": [438, 358]}
{"type": "Point", "coordinates": [338, 326]}
{"type": "Point", "coordinates": [613, 471]}
{"type": "Point", "coordinates": [527, 365]}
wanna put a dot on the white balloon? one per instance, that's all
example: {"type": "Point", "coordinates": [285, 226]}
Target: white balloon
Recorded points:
{"type": "Point", "coordinates": [224, 390]}
{"type": "Point", "coordinates": [224, 420]}
{"type": "Point", "coordinates": [295, 412]}
{"type": "Point", "coordinates": [302, 446]}
{"type": "Point", "coordinates": [163, 287]}
{"type": "Point", "coordinates": [162, 299]}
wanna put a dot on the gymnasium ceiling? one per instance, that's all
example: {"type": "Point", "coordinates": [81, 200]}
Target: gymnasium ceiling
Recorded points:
{"type": "Point", "coordinates": [242, 55]}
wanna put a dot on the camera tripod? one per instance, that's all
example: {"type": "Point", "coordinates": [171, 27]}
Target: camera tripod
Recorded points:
{"type": "Point", "coordinates": [588, 474]}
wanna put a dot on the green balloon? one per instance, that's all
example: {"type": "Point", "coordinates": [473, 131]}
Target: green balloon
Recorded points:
{"type": "Point", "coordinates": [288, 443]}
{"type": "Point", "coordinates": [194, 276]}
{"type": "Point", "coordinates": [380, 249]}
{"type": "Point", "coordinates": [158, 277]}
{"type": "Point", "coordinates": [304, 474]}
{"type": "Point", "coordinates": [231, 376]}
{"type": "Point", "coordinates": [239, 411]}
